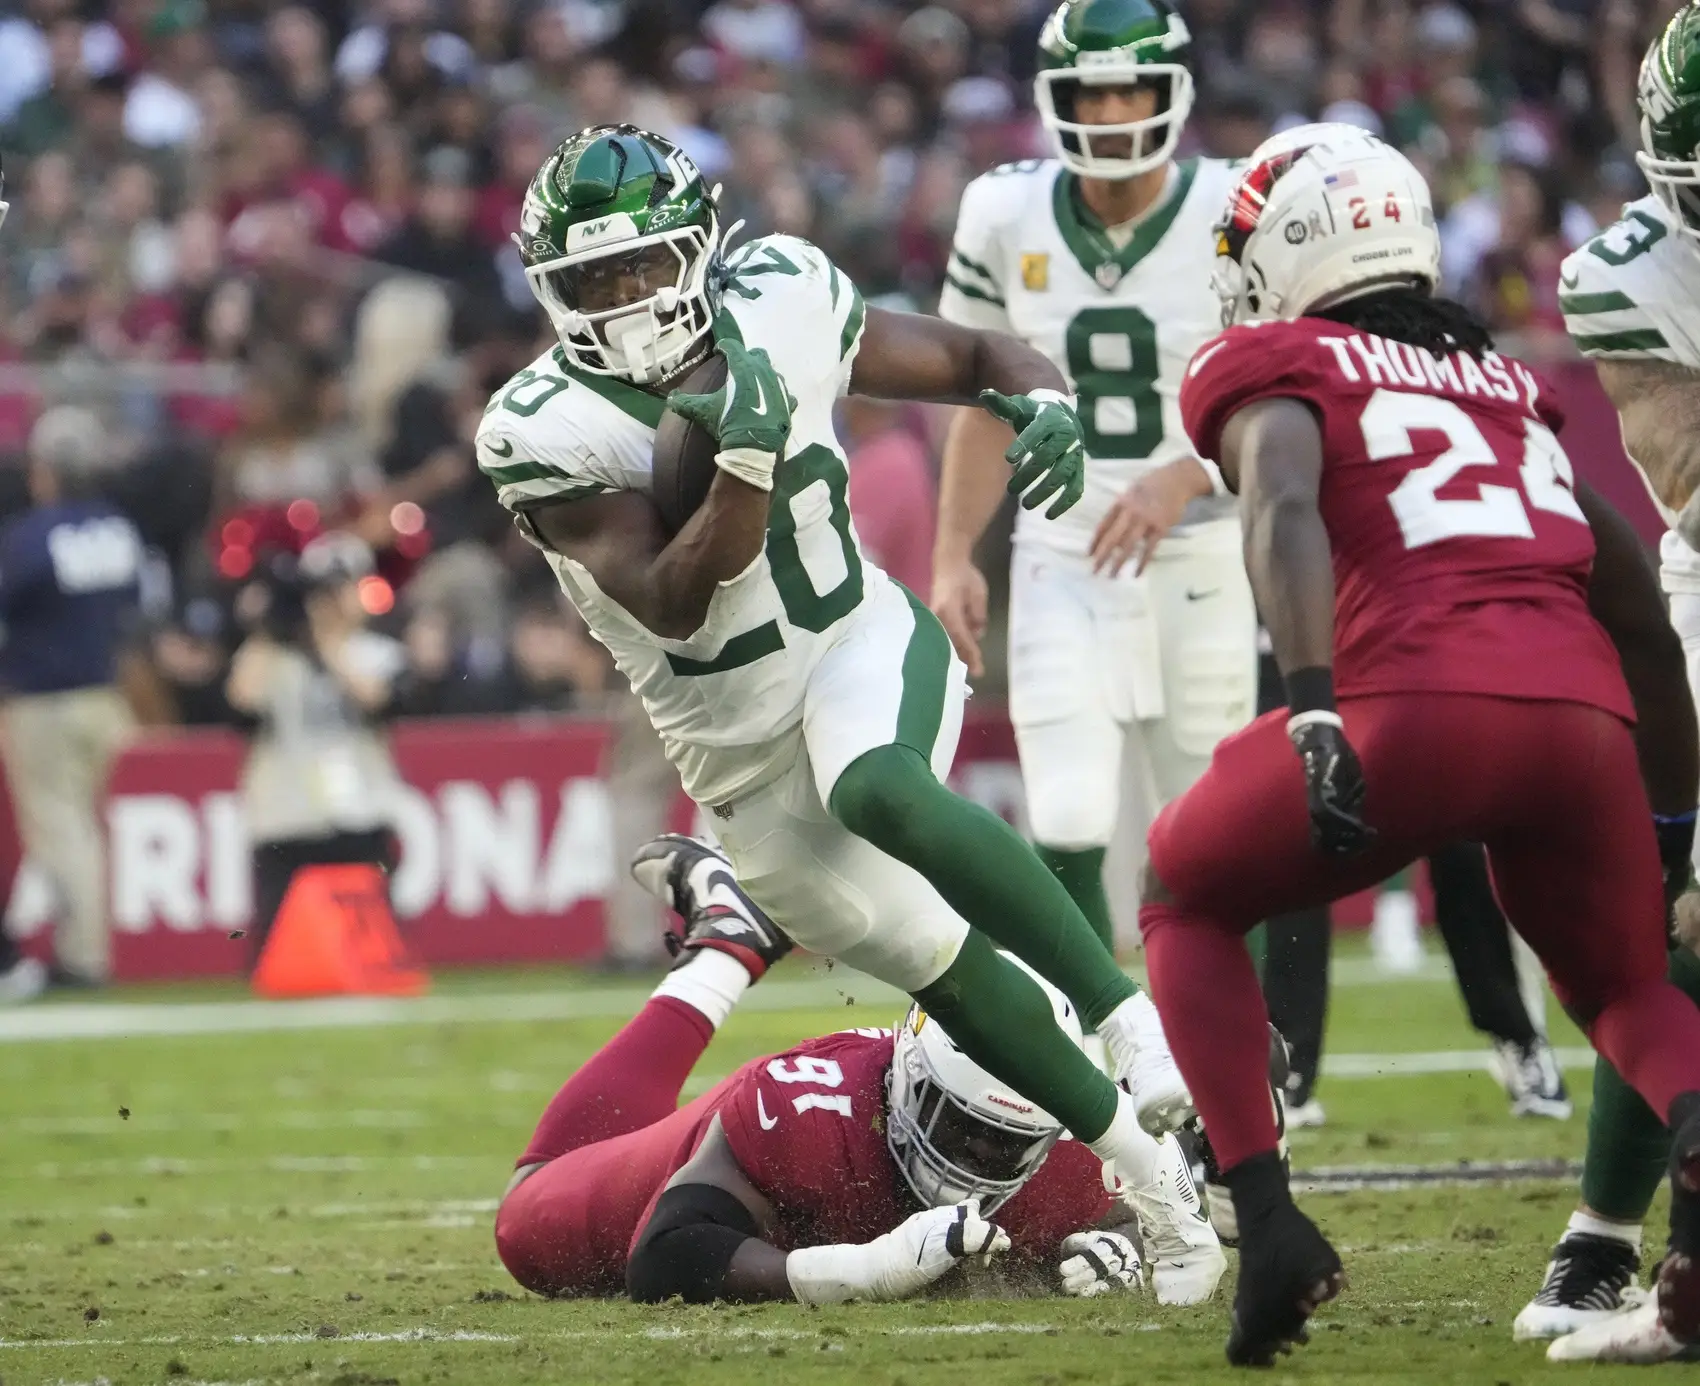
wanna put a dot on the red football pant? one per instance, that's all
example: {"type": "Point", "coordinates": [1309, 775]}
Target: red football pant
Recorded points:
{"type": "Point", "coordinates": [1553, 792]}
{"type": "Point", "coordinates": [611, 1137]}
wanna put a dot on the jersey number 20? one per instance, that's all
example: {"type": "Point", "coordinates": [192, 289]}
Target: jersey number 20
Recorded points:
{"type": "Point", "coordinates": [1496, 512]}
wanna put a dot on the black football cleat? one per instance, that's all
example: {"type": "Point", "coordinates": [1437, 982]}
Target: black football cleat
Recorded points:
{"type": "Point", "coordinates": [1287, 1270]}
{"type": "Point", "coordinates": [695, 881]}
{"type": "Point", "coordinates": [1678, 1280]}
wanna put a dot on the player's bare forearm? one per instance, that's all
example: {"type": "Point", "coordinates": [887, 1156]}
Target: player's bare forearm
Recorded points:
{"type": "Point", "coordinates": [1272, 451]}
{"type": "Point", "coordinates": [908, 356]}
{"type": "Point", "coordinates": [972, 482]}
{"type": "Point", "coordinates": [666, 586]}
{"type": "Point", "coordinates": [1623, 592]}
{"type": "Point", "coordinates": [1658, 403]}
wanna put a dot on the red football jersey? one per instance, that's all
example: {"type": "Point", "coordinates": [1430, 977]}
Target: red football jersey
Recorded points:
{"type": "Point", "coordinates": [808, 1127]}
{"type": "Point", "coordinates": [1461, 558]}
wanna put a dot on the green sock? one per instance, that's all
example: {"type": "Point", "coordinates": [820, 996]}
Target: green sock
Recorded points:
{"type": "Point", "coordinates": [985, 871]}
{"type": "Point", "coordinates": [1628, 1145]}
{"type": "Point", "coordinates": [1002, 1021]}
{"type": "Point", "coordinates": [1082, 876]}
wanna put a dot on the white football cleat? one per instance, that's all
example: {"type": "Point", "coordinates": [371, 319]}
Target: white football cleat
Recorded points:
{"type": "Point", "coordinates": [1589, 1279]}
{"type": "Point", "coordinates": [1140, 1060]}
{"type": "Point", "coordinates": [1181, 1246]}
{"type": "Point", "coordinates": [1532, 1080]}
{"type": "Point", "coordinates": [1307, 1115]}
{"type": "Point", "coordinates": [1635, 1336]}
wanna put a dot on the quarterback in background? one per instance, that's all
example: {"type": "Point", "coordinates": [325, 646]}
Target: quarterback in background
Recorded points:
{"type": "Point", "coordinates": [1420, 551]}
{"type": "Point", "coordinates": [1101, 258]}
{"type": "Point", "coordinates": [1631, 299]}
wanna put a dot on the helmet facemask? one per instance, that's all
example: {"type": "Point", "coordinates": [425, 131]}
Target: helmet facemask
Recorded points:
{"type": "Point", "coordinates": [1125, 149]}
{"type": "Point", "coordinates": [950, 1147]}
{"type": "Point", "coordinates": [637, 308]}
{"type": "Point", "coordinates": [1675, 182]}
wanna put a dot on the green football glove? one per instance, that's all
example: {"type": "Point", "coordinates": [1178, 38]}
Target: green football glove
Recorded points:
{"type": "Point", "coordinates": [750, 415]}
{"type": "Point", "coordinates": [1047, 454]}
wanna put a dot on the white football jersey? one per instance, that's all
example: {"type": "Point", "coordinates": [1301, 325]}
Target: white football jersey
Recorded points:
{"type": "Point", "coordinates": [1633, 293]}
{"type": "Point", "coordinates": [1121, 324]}
{"type": "Point", "coordinates": [728, 701]}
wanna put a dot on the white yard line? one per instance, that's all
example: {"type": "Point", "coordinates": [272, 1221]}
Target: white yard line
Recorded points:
{"type": "Point", "coordinates": [839, 987]}
{"type": "Point", "coordinates": [433, 1335]}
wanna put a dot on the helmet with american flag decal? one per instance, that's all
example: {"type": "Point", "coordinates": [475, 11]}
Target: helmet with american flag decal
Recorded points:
{"type": "Point", "coordinates": [1322, 213]}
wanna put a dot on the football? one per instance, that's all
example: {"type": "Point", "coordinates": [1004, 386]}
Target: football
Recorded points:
{"type": "Point", "coordinates": [683, 466]}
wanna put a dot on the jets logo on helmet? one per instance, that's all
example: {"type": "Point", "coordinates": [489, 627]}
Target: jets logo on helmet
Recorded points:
{"type": "Point", "coordinates": [1113, 43]}
{"type": "Point", "coordinates": [1669, 97]}
{"type": "Point", "coordinates": [955, 1131]}
{"type": "Point", "coordinates": [620, 240]}
{"type": "Point", "coordinates": [1363, 216]}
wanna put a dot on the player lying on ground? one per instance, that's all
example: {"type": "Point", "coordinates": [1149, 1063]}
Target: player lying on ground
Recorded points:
{"type": "Point", "coordinates": [1418, 547]}
{"type": "Point", "coordinates": [1631, 299]}
{"type": "Point", "coordinates": [809, 702]}
{"type": "Point", "coordinates": [860, 1165]}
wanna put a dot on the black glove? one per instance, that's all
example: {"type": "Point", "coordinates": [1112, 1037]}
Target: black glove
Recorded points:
{"type": "Point", "coordinates": [1334, 785]}
{"type": "Point", "coordinates": [1676, 848]}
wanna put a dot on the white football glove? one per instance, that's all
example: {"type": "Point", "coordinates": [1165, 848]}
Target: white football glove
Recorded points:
{"type": "Point", "coordinates": [1099, 1263]}
{"type": "Point", "coordinates": [906, 1259]}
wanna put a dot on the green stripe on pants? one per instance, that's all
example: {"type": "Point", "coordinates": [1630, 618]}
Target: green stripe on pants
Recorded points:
{"type": "Point", "coordinates": [926, 666]}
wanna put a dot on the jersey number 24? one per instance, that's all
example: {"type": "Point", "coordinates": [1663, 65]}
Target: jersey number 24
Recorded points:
{"type": "Point", "coordinates": [1496, 512]}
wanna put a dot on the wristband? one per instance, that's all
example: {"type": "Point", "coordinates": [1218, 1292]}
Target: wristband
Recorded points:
{"type": "Point", "coordinates": [1218, 487]}
{"type": "Point", "coordinates": [1318, 718]}
{"type": "Point", "coordinates": [749, 465]}
{"type": "Point", "coordinates": [1044, 396]}
{"type": "Point", "coordinates": [1310, 690]}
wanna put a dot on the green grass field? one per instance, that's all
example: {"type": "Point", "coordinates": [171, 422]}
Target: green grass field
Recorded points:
{"type": "Point", "coordinates": [313, 1204]}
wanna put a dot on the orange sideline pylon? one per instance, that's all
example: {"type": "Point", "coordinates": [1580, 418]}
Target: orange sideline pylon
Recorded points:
{"type": "Point", "coordinates": [334, 935]}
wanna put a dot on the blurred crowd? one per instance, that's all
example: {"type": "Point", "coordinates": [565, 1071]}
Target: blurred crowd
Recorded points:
{"type": "Point", "coordinates": [266, 245]}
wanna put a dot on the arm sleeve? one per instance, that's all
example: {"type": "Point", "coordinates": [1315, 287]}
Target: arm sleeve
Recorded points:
{"type": "Point", "coordinates": [1607, 310]}
{"type": "Point", "coordinates": [974, 294]}
{"type": "Point", "coordinates": [1241, 366]}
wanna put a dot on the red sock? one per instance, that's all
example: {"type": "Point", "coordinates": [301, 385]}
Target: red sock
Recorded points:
{"type": "Point", "coordinates": [631, 1082]}
{"type": "Point", "coordinates": [1213, 1015]}
{"type": "Point", "coordinates": [1652, 1038]}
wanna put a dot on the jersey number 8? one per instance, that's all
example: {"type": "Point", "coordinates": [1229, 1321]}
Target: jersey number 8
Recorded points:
{"type": "Point", "coordinates": [1112, 357]}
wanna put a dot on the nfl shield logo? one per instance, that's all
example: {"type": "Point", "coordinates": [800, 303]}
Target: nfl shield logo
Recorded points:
{"type": "Point", "coordinates": [1108, 275]}
{"type": "Point", "coordinates": [1036, 272]}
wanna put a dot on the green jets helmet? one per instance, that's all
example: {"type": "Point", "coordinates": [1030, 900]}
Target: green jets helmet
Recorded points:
{"type": "Point", "coordinates": [1113, 43]}
{"type": "Point", "coordinates": [619, 236]}
{"type": "Point", "coordinates": [1669, 98]}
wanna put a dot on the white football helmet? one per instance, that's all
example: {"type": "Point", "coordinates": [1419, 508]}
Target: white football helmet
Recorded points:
{"type": "Point", "coordinates": [1322, 213]}
{"type": "Point", "coordinates": [955, 1131]}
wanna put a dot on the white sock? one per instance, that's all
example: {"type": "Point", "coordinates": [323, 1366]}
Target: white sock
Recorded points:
{"type": "Point", "coordinates": [1629, 1232]}
{"type": "Point", "coordinates": [712, 982]}
{"type": "Point", "coordinates": [1126, 1148]}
